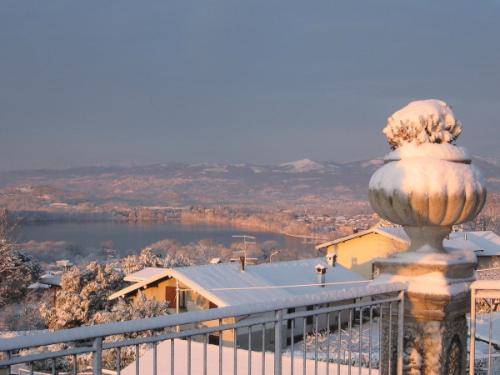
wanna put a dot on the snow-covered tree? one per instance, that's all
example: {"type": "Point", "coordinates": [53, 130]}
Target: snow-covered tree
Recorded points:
{"type": "Point", "coordinates": [140, 307]}
{"type": "Point", "coordinates": [125, 310]}
{"type": "Point", "coordinates": [17, 270]}
{"type": "Point", "coordinates": [149, 257]}
{"type": "Point", "coordinates": [146, 258]}
{"type": "Point", "coordinates": [83, 300]}
{"type": "Point", "coordinates": [84, 291]}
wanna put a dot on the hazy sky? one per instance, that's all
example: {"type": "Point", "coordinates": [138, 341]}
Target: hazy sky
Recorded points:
{"type": "Point", "coordinates": [93, 82]}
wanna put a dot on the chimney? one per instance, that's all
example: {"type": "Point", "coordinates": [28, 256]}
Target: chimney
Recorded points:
{"type": "Point", "coordinates": [320, 273]}
{"type": "Point", "coordinates": [331, 259]}
{"type": "Point", "coordinates": [242, 262]}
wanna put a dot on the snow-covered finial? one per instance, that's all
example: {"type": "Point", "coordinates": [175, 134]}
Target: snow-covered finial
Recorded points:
{"type": "Point", "coordinates": [427, 184]}
{"type": "Point", "coordinates": [422, 121]}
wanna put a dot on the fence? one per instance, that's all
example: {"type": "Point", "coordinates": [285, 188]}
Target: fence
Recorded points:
{"type": "Point", "coordinates": [280, 337]}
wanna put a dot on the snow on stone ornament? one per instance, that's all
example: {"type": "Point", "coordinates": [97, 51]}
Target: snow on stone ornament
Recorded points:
{"type": "Point", "coordinates": [423, 121]}
{"type": "Point", "coordinates": [426, 184]}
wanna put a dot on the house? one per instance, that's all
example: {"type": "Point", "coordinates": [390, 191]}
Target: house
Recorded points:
{"type": "Point", "coordinates": [227, 284]}
{"type": "Point", "coordinates": [358, 251]}
{"type": "Point", "coordinates": [48, 281]}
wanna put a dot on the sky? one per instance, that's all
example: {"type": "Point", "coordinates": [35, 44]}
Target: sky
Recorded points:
{"type": "Point", "coordinates": [260, 81]}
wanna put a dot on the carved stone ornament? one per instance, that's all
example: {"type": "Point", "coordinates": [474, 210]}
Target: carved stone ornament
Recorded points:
{"type": "Point", "coordinates": [427, 184]}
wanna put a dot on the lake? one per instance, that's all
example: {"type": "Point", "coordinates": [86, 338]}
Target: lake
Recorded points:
{"type": "Point", "coordinates": [129, 238]}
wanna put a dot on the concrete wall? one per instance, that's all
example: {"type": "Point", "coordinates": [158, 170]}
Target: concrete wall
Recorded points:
{"type": "Point", "coordinates": [164, 290]}
{"type": "Point", "coordinates": [157, 291]}
{"type": "Point", "coordinates": [357, 254]}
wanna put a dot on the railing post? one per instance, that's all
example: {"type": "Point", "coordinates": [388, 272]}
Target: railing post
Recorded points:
{"type": "Point", "coordinates": [401, 314]}
{"type": "Point", "coordinates": [278, 335]}
{"type": "Point", "coordinates": [472, 335]}
{"type": "Point", "coordinates": [97, 356]}
{"type": "Point", "coordinates": [6, 370]}
{"type": "Point", "coordinates": [155, 358]}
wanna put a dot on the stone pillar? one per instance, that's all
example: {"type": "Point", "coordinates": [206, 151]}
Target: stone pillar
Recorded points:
{"type": "Point", "coordinates": [435, 326]}
{"type": "Point", "coordinates": [427, 185]}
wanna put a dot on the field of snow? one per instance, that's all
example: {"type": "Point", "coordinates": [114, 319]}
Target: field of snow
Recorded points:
{"type": "Point", "coordinates": [337, 345]}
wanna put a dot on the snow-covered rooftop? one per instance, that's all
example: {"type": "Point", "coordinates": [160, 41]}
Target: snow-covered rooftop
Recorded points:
{"type": "Point", "coordinates": [38, 285]}
{"type": "Point", "coordinates": [51, 278]}
{"type": "Point", "coordinates": [144, 274]}
{"type": "Point", "coordinates": [226, 285]}
{"type": "Point", "coordinates": [483, 243]}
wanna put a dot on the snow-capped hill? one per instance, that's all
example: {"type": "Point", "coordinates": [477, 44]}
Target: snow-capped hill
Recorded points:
{"type": "Point", "coordinates": [303, 165]}
{"type": "Point", "coordinates": [372, 163]}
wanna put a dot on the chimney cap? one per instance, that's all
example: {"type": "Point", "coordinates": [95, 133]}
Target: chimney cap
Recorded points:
{"type": "Point", "coordinates": [331, 259]}
{"type": "Point", "coordinates": [320, 268]}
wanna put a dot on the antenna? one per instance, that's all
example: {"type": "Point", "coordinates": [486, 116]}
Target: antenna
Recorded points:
{"type": "Point", "coordinates": [246, 240]}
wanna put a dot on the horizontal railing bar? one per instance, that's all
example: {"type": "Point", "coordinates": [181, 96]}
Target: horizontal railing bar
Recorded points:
{"type": "Point", "coordinates": [241, 324]}
{"type": "Point", "coordinates": [109, 329]}
{"type": "Point", "coordinates": [188, 333]}
{"type": "Point", "coordinates": [45, 355]}
{"type": "Point", "coordinates": [486, 356]}
{"type": "Point", "coordinates": [324, 310]}
{"type": "Point", "coordinates": [487, 293]}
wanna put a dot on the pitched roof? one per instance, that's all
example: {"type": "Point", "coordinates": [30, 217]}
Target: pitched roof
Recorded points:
{"type": "Point", "coordinates": [396, 233]}
{"type": "Point", "coordinates": [484, 243]}
{"type": "Point", "coordinates": [226, 285]}
{"type": "Point", "coordinates": [38, 285]}
{"type": "Point", "coordinates": [144, 274]}
{"type": "Point", "coordinates": [51, 278]}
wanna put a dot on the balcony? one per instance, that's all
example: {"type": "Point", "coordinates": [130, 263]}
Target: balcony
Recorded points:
{"type": "Point", "coordinates": [333, 332]}
{"type": "Point", "coordinates": [336, 332]}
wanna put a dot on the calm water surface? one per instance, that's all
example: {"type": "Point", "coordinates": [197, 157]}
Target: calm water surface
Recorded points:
{"type": "Point", "coordinates": [128, 238]}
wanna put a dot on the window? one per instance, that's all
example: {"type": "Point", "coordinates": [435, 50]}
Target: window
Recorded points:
{"type": "Point", "coordinates": [182, 299]}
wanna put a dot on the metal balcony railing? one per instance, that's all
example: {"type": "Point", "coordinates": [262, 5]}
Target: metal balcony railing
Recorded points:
{"type": "Point", "coordinates": [485, 294]}
{"type": "Point", "coordinates": [336, 332]}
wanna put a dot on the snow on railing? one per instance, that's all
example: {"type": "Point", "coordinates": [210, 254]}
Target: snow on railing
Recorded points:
{"type": "Point", "coordinates": [270, 325]}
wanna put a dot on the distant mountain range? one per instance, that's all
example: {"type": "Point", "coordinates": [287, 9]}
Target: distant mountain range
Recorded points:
{"type": "Point", "coordinates": [205, 183]}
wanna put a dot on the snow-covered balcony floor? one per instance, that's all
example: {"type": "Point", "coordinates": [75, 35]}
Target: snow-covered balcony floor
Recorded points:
{"type": "Point", "coordinates": [181, 359]}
